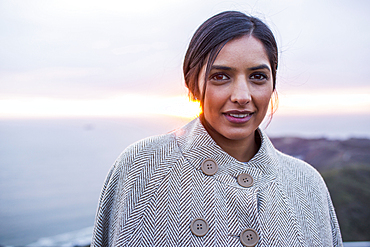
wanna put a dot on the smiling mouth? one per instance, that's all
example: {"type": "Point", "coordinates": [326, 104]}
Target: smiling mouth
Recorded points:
{"type": "Point", "coordinates": [236, 117]}
{"type": "Point", "coordinates": [239, 115]}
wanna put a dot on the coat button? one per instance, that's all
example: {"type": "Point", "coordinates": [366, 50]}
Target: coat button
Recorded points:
{"type": "Point", "coordinates": [199, 227]}
{"type": "Point", "coordinates": [249, 237]}
{"type": "Point", "coordinates": [245, 180]}
{"type": "Point", "coordinates": [209, 167]}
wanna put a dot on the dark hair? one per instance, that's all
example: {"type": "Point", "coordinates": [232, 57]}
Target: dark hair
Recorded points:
{"type": "Point", "coordinates": [213, 34]}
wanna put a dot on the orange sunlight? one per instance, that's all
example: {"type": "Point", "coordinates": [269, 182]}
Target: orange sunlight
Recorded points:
{"type": "Point", "coordinates": [138, 105]}
{"type": "Point", "coordinates": [123, 106]}
{"type": "Point", "coordinates": [333, 102]}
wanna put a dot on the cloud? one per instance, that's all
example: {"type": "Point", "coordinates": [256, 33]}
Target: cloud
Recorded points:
{"type": "Point", "coordinates": [95, 49]}
{"type": "Point", "coordinates": [44, 81]}
{"type": "Point", "coordinates": [137, 48]}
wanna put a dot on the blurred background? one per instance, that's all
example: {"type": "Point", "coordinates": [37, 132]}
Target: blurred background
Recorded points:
{"type": "Point", "coordinates": [81, 80]}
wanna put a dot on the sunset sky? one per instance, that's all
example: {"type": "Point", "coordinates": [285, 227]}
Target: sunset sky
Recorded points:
{"type": "Point", "coordinates": [124, 58]}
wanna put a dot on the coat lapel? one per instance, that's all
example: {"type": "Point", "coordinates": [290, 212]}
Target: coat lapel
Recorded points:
{"type": "Point", "coordinates": [266, 207]}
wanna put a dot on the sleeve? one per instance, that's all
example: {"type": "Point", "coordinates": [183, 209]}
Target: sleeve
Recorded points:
{"type": "Point", "coordinates": [335, 230]}
{"type": "Point", "coordinates": [105, 221]}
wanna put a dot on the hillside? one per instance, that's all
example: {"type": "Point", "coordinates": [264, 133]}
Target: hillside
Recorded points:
{"type": "Point", "coordinates": [345, 166]}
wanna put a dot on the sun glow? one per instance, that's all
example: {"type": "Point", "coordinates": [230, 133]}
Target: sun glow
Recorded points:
{"type": "Point", "coordinates": [125, 105]}
{"type": "Point", "coordinates": [138, 105]}
{"type": "Point", "coordinates": [328, 103]}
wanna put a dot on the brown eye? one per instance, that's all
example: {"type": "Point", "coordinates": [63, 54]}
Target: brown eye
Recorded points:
{"type": "Point", "coordinates": [259, 76]}
{"type": "Point", "coordinates": [219, 77]}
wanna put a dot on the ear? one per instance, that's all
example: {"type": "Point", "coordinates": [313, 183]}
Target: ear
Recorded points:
{"type": "Point", "coordinates": [274, 102]}
{"type": "Point", "coordinates": [197, 92]}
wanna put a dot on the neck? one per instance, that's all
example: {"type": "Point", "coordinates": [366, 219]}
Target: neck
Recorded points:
{"type": "Point", "coordinates": [242, 150]}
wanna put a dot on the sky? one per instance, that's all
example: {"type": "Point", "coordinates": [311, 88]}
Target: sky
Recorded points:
{"type": "Point", "coordinates": [124, 58]}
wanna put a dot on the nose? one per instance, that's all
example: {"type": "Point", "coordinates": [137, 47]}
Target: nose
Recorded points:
{"type": "Point", "coordinates": [241, 93]}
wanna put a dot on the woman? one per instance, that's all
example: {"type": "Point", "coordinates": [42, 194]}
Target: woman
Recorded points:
{"type": "Point", "coordinates": [218, 181]}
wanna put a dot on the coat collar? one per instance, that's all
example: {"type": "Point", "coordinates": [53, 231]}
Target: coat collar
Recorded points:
{"type": "Point", "coordinates": [196, 145]}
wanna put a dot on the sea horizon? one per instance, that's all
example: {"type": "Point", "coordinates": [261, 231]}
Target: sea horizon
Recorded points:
{"type": "Point", "coordinates": [52, 170]}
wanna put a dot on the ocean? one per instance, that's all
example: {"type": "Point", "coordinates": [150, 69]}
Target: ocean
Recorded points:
{"type": "Point", "coordinates": [52, 170]}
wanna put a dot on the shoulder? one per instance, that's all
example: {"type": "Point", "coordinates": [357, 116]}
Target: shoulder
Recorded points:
{"type": "Point", "coordinates": [287, 166]}
{"type": "Point", "coordinates": [149, 146]}
{"type": "Point", "coordinates": [138, 171]}
{"type": "Point", "coordinates": [139, 162]}
{"type": "Point", "coordinates": [299, 169]}
{"type": "Point", "coordinates": [295, 163]}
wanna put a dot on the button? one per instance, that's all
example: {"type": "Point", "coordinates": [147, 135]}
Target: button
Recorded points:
{"type": "Point", "coordinates": [199, 227]}
{"type": "Point", "coordinates": [245, 180]}
{"type": "Point", "coordinates": [209, 167]}
{"type": "Point", "coordinates": [249, 237]}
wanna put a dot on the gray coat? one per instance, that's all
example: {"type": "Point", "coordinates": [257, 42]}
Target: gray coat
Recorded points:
{"type": "Point", "coordinates": [157, 191]}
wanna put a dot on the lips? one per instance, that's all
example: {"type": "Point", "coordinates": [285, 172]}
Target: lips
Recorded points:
{"type": "Point", "coordinates": [238, 117]}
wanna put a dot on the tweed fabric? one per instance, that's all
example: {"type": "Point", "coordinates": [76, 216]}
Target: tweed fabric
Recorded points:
{"type": "Point", "coordinates": [156, 188]}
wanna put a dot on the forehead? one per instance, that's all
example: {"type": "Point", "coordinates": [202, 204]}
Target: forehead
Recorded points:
{"type": "Point", "coordinates": [242, 51]}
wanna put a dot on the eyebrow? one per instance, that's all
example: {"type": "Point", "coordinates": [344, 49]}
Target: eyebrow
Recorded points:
{"type": "Point", "coordinates": [262, 66]}
{"type": "Point", "coordinates": [220, 67]}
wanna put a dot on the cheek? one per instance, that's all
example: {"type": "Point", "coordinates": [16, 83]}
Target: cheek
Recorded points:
{"type": "Point", "coordinates": [261, 94]}
{"type": "Point", "coordinates": [262, 98]}
{"type": "Point", "coordinates": [215, 98]}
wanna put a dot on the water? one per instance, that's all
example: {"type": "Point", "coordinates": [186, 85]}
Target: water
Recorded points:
{"type": "Point", "coordinates": [80, 237]}
{"type": "Point", "coordinates": [357, 244]}
{"type": "Point", "coordinates": [51, 171]}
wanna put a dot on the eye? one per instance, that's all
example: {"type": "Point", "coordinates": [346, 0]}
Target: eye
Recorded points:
{"type": "Point", "coordinates": [259, 76]}
{"type": "Point", "coordinates": [219, 77]}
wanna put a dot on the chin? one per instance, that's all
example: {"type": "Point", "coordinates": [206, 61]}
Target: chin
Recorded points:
{"type": "Point", "coordinates": [238, 135]}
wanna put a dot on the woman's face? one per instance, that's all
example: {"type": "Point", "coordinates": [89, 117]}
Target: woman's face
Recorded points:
{"type": "Point", "coordinates": [239, 88]}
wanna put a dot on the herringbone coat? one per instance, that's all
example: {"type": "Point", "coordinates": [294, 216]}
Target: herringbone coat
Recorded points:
{"type": "Point", "coordinates": [156, 188]}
